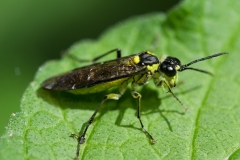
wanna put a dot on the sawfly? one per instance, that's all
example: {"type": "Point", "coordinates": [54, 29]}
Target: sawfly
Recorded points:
{"type": "Point", "coordinates": [137, 69]}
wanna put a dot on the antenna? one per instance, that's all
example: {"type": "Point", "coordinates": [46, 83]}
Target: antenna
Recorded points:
{"type": "Point", "coordinates": [184, 67]}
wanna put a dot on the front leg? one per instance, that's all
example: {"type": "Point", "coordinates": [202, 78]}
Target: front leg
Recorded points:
{"type": "Point", "coordinates": [161, 83]}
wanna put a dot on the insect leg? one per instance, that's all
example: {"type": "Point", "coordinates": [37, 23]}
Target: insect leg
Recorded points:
{"type": "Point", "coordinates": [138, 96]}
{"type": "Point", "coordinates": [114, 96]}
{"type": "Point", "coordinates": [118, 51]}
{"type": "Point", "coordinates": [119, 54]}
{"type": "Point", "coordinates": [161, 83]}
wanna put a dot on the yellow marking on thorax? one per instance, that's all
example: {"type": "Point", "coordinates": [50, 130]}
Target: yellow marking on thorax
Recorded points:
{"type": "Point", "coordinates": [136, 59]}
{"type": "Point", "coordinates": [148, 52]}
{"type": "Point", "coordinates": [152, 67]}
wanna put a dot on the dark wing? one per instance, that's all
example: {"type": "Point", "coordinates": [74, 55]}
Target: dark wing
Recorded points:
{"type": "Point", "coordinates": [94, 74]}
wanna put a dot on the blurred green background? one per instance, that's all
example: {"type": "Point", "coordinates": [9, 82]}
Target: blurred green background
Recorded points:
{"type": "Point", "coordinates": [32, 32]}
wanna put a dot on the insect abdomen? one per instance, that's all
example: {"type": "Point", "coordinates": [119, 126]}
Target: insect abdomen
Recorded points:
{"type": "Point", "coordinates": [100, 87]}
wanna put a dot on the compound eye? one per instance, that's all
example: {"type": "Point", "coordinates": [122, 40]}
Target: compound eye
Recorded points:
{"type": "Point", "coordinates": [168, 66]}
{"type": "Point", "coordinates": [167, 70]}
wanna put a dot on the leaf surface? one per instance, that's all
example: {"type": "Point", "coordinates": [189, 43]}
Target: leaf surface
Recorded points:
{"type": "Point", "coordinates": [208, 130]}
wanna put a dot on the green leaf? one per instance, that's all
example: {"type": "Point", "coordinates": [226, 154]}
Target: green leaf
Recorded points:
{"type": "Point", "coordinates": [208, 130]}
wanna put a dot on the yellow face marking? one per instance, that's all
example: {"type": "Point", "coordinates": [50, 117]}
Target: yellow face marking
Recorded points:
{"type": "Point", "coordinates": [171, 80]}
{"type": "Point", "coordinates": [177, 67]}
{"type": "Point", "coordinates": [136, 59]}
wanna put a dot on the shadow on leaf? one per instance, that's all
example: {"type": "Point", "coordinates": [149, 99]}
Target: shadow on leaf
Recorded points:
{"type": "Point", "coordinates": [150, 103]}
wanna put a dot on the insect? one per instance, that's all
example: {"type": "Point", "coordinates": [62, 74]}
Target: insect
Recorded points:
{"type": "Point", "coordinates": [137, 69]}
